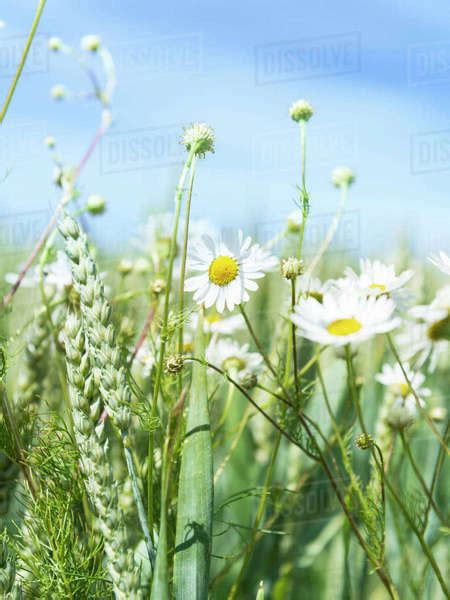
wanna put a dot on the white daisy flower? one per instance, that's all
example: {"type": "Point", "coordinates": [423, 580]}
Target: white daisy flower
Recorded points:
{"type": "Point", "coordinates": [313, 287]}
{"type": "Point", "coordinates": [375, 278]}
{"type": "Point", "coordinates": [146, 358]}
{"type": "Point", "coordinates": [441, 261]}
{"type": "Point", "coordinates": [395, 380]}
{"type": "Point", "coordinates": [229, 356]}
{"type": "Point", "coordinates": [415, 345]}
{"type": "Point", "coordinates": [215, 323]}
{"type": "Point", "coordinates": [155, 235]}
{"type": "Point", "coordinates": [342, 318]}
{"type": "Point", "coordinates": [430, 338]}
{"type": "Point", "coordinates": [228, 271]}
{"type": "Point", "coordinates": [402, 412]}
{"type": "Point", "coordinates": [56, 274]}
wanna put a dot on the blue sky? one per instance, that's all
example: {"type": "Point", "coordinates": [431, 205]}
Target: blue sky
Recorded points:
{"type": "Point", "coordinates": [378, 76]}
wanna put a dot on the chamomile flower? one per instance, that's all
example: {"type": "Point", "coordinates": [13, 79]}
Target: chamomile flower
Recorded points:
{"type": "Point", "coordinates": [441, 261]}
{"type": "Point", "coordinates": [402, 412]}
{"type": "Point", "coordinates": [229, 356]}
{"type": "Point", "coordinates": [155, 234]}
{"type": "Point", "coordinates": [146, 358]}
{"type": "Point", "coordinates": [394, 379]}
{"type": "Point", "coordinates": [375, 278]}
{"type": "Point", "coordinates": [57, 274]}
{"type": "Point", "coordinates": [227, 271]}
{"type": "Point", "coordinates": [216, 323]}
{"type": "Point", "coordinates": [343, 318]}
{"type": "Point", "coordinates": [313, 287]}
{"type": "Point", "coordinates": [429, 338]}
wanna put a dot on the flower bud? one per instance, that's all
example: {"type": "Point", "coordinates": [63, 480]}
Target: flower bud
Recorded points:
{"type": "Point", "coordinates": [294, 221]}
{"type": "Point", "coordinates": [141, 266]}
{"type": "Point", "coordinates": [291, 267]}
{"type": "Point", "coordinates": [69, 228]}
{"type": "Point", "coordinates": [248, 380]}
{"type": "Point", "coordinates": [58, 92]}
{"type": "Point", "coordinates": [301, 111]}
{"type": "Point", "coordinates": [125, 267]}
{"type": "Point", "coordinates": [55, 44]}
{"type": "Point", "coordinates": [199, 137]}
{"type": "Point", "coordinates": [95, 204]}
{"type": "Point", "coordinates": [364, 441]}
{"type": "Point", "coordinates": [158, 286]}
{"type": "Point", "coordinates": [50, 142]}
{"type": "Point", "coordinates": [342, 176]}
{"type": "Point", "coordinates": [90, 43]}
{"type": "Point", "coordinates": [174, 364]}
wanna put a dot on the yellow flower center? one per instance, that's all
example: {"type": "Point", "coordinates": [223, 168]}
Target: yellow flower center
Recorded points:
{"type": "Point", "coordinates": [188, 347]}
{"type": "Point", "coordinates": [223, 270]}
{"type": "Point", "coordinates": [377, 286]}
{"type": "Point", "coordinates": [234, 363]}
{"type": "Point", "coordinates": [213, 318]}
{"type": "Point", "coordinates": [404, 389]}
{"type": "Point", "coordinates": [344, 326]}
{"type": "Point", "coordinates": [440, 330]}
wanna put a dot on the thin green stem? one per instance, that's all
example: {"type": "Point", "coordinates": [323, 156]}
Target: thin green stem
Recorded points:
{"type": "Point", "coordinates": [304, 192]}
{"type": "Point", "coordinates": [381, 472]}
{"type": "Point", "coordinates": [23, 59]}
{"type": "Point", "coordinates": [331, 230]}
{"type": "Point", "coordinates": [419, 535]}
{"type": "Point", "coordinates": [421, 410]}
{"type": "Point", "coordinates": [258, 518]}
{"type": "Point", "coordinates": [164, 332]}
{"type": "Point", "coordinates": [261, 350]}
{"type": "Point", "coordinates": [294, 346]}
{"type": "Point", "coordinates": [183, 262]}
{"type": "Point", "coordinates": [420, 478]}
{"type": "Point", "coordinates": [437, 468]}
{"type": "Point", "coordinates": [382, 574]}
{"type": "Point", "coordinates": [8, 415]}
{"type": "Point", "coordinates": [352, 385]}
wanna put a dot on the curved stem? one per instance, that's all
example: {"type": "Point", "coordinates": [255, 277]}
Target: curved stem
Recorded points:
{"type": "Point", "coordinates": [421, 410]}
{"type": "Point", "coordinates": [164, 333]}
{"type": "Point", "coordinates": [23, 59]}
{"type": "Point", "coordinates": [331, 230]}
{"type": "Point", "coordinates": [384, 577]}
{"type": "Point", "coordinates": [418, 474]}
{"type": "Point", "coordinates": [65, 199]}
{"type": "Point", "coordinates": [419, 535]}
{"type": "Point", "coordinates": [183, 262]}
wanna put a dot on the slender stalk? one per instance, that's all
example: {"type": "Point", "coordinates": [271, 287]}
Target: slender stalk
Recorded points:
{"type": "Point", "coordinates": [65, 199]}
{"type": "Point", "coordinates": [421, 410]}
{"type": "Point", "coordinates": [419, 535]}
{"type": "Point", "coordinates": [294, 345]}
{"type": "Point", "coordinates": [164, 333]}
{"type": "Point", "coordinates": [23, 59]}
{"type": "Point", "coordinates": [143, 335]}
{"type": "Point", "coordinates": [12, 428]}
{"type": "Point", "coordinates": [418, 474]}
{"type": "Point", "coordinates": [257, 522]}
{"type": "Point", "coordinates": [437, 468]}
{"type": "Point", "coordinates": [331, 230]}
{"type": "Point", "coordinates": [183, 262]}
{"type": "Point", "coordinates": [304, 193]}
{"type": "Point", "coordinates": [381, 471]}
{"type": "Point", "coordinates": [352, 385]}
{"type": "Point", "coordinates": [379, 569]}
